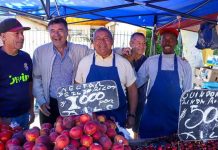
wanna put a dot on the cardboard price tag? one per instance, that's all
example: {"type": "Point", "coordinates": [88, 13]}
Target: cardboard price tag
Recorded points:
{"type": "Point", "coordinates": [88, 97]}
{"type": "Point", "coordinates": [198, 117]}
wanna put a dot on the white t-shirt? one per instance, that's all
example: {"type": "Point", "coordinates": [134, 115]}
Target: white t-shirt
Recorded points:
{"type": "Point", "coordinates": [125, 70]}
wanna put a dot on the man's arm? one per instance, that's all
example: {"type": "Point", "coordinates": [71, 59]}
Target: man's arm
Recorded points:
{"type": "Point", "coordinates": [142, 74]}
{"type": "Point", "coordinates": [31, 111]}
{"type": "Point", "coordinates": [133, 101]}
{"type": "Point", "coordinates": [38, 91]}
{"type": "Point", "coordinates": [187, 83]}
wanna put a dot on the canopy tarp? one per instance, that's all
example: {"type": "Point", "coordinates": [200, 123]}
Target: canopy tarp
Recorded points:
{"type": "Point", "coordinates": [136, 12]}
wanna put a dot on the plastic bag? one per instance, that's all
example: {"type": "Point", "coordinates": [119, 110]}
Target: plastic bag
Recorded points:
{"type": "Point", "coordinates": [207, 37]}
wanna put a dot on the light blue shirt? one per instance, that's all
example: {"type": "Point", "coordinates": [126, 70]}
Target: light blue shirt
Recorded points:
{"type": "Point", "coordinates": [149, 69]}
{"type": "Point", "coordinates": [62, 72]}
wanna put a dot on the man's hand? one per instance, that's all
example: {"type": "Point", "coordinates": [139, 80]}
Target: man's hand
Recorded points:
{"type": "Point", "coordinates": [183, 58]}
{"type": "Point", "coordinates": [130, 122]}
{"type": "Point", "coordinates": [32, 116]}
{"type": "Point", "coordinates": [126, 51]}
{"type": "Point", "coordinates": [44, 108]}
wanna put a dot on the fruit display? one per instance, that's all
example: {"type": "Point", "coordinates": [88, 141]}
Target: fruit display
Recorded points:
{"type": "Point", "coordinates": [68, 133]}
{"type": "Point", "coordinates": [172, 143]}
{"type": "Point", "coordinates": [86, 133]}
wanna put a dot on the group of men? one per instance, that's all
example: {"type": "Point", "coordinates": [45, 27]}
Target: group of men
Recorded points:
{"type": "Point", "coordinates": [61, 63]}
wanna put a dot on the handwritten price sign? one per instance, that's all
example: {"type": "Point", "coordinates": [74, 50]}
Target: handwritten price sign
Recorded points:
{"type": "Point", "coordinates": [198, 118]}
{"type": "Point", "coordinates": [89, 97]}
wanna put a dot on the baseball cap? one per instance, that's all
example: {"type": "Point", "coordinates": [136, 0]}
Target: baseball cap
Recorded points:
{"type": "Point", "coordinates": [169, 30]}
{"type": "Point", "coordinates": [11, 25]}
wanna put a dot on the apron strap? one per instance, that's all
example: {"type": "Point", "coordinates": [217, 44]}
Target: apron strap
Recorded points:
{"type": "Point", "coordinates": [114, 60]}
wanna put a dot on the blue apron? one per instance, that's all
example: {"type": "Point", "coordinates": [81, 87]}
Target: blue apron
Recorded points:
{"type": "Point", "coordinates": [98, 73]}
{"type": "Point", "coordinates": [161, 112]}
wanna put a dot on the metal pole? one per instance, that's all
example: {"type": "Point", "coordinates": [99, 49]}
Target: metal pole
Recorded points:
{"type": "Point", "coordinates": [153, 42]}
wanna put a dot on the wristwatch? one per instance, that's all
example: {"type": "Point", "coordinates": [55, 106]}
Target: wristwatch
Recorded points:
{"type": "Point", "coordinates": [131, 115]}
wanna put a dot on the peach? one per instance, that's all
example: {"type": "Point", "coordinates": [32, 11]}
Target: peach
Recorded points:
{"type": "Point", "coordinates": [111, 132]}
{"type": "Point", "coordinates": [106, 142]}
{"type": "Point", "coordinates": [90, 127]}
{"type": "Point", "coordinates": [12, 142]}
{"type": "Point", "coordinates": [32, 134]}
{"type": "Point", "coordinates": [44, 131]}
{"type": "Point", "coordinates": [96, 146]}
{"type": "Point", "coordinates": [121, 139]}
{"type": "Point", "coordinates": [68, 122]}
{"type": "Point", "coordinates": [110, 124]}
{"type": "Point", "coordinates": [82, 148]}
{"type": "Point", "coordinates": [86, 140]}
{"type": "Point", "coordinates": [5, 135]}
{"type": "Point", "coordinates": [66, 132]}
{"type": "Point", "coordinates": [2, 146]}
{"type": "Point", "coordinates": [101, 118]}
{"type": "Point", "coordinates": [39, 146]}
{"type": "Point", "coordinates": [85, 118]}
{"type": "Point", "coordinates": [59, 127]}
{"type": "Point", "coordinates": [75, 143]}
{"type": "Point", "coordinates": [102, 127]}
{"type": "Point", "coordinates": [53, 136]}
{"type": "Point", "coordinates": [62, 141]}
{"type": "Point", "coordinates": [118, 146]}
{"type": "Point", "coordinates": [70, 147]}
{"type": "Point", "coordinates": [15, 147]}
{"type": "Point", "coordinates": [76, 132]}
{"type": "Point", "coordinates": [43, 139]}
{"type": "Point", "coordinates": [28, 145]}
{"type": "Point", "coordinates": [46, 125]}
{"type": "Point", "coordinates": [97, 135]}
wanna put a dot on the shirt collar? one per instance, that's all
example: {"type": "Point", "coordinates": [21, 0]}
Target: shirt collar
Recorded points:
{"type": "Point", "coordinates": [65, 50]}
{"type": "Point", "coordinates": [168, 55]}
{"type": "Point", "coordinates": [100, 57]}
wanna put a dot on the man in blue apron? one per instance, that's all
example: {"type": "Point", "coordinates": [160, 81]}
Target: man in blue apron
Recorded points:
{"type": "Point", "coordinates": [106, 65]}
{"type": "Point", "coordinates": [168, 76]}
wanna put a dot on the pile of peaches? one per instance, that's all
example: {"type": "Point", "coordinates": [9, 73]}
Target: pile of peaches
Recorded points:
{"type": "Point", "coordinates": [83, 132]}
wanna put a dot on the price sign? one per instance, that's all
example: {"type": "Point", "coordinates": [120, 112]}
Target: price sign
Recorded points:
{"type": "Point", "coordinates": [198, 118]}
{"type": "Point", "coordinates": [89, 97]}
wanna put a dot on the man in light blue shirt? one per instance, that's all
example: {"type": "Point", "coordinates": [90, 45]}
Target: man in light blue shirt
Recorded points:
{"type": "Point", "coordinates": [169, 76]}
{"type": "Point", "coordinates": [55, 65]}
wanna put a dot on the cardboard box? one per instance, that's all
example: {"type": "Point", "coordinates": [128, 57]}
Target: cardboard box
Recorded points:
{"type": "Point", "coordinates": [212, 75]}
{"type": "Point", "coordinates": [197, 82]}
{"type": "Point", "coordinates": [197, 72]}
{"type": "Point", "coordinates": [206, 74]}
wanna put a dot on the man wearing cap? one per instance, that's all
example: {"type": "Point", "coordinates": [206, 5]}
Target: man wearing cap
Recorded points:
{"type": "Point", "coordinates": [168, 76]}
{"type": "Point", "coordinates": [16, 100]}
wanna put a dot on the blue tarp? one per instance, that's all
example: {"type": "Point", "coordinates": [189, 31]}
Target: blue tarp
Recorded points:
{"type": "Point", "coordinates": [140, 12]}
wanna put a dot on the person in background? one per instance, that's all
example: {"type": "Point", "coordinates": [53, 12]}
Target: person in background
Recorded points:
{"type": "Point", "coordinates": [137, 58]}
{"type": "Point", "coordinates": [169, 76]}
{"type": "Point", "coordinates": [16, 100]}
{"type": "Point", "coordinates": [104, 64]}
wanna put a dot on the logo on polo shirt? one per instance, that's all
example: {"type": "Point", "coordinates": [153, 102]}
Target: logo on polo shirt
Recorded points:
{"type": "Point", "coordinates": [26, 66]}
{"type": "Point", "coordinates": [22, 78]}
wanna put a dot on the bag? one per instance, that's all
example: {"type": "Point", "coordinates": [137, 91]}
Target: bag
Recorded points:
{"type": "Point", "coordinates": [207, 37]}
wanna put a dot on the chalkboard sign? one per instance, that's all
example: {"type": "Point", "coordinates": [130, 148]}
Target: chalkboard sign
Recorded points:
{"type": "Point", "coordinates": [198, 117]}
{"type": "Point", "coordinates": [89, 97]}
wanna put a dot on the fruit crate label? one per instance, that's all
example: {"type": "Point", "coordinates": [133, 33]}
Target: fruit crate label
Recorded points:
{"type": "Point", "coordinates": [88, 97]}
{"type": "Point", "coordinates": [198, 116]}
